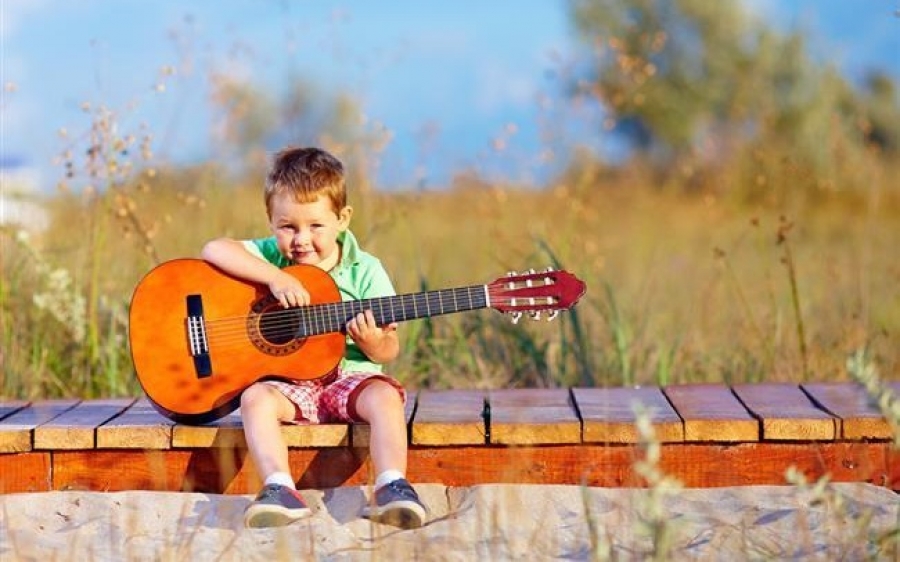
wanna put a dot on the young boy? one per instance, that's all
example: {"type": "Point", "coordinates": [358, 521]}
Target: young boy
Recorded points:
{"type": "Point", "coordinates": [306, 203]}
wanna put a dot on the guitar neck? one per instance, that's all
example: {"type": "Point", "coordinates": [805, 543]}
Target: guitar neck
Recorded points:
{"type": "Point", "coordinates": [333, 317]}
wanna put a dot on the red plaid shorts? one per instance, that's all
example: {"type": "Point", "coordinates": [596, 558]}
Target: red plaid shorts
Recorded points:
{"type": "Point", "coordinates": [326, 400]}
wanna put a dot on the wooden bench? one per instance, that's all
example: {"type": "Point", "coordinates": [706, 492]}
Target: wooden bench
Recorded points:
{"type": "Point", "coordinates": [711, 435]}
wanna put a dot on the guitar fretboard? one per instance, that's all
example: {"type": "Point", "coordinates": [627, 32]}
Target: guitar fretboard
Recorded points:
{"type": "Point", "coordinates": [333, 317]}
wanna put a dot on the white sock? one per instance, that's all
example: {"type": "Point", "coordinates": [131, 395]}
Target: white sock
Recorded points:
{"type": "Point", "coordinates": [281, 478]}
{"type": "Point", "coordinates": [387, 477]}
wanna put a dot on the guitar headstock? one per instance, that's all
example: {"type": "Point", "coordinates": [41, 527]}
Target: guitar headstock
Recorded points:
{"type": "Point", "coordinates": [535, 292]}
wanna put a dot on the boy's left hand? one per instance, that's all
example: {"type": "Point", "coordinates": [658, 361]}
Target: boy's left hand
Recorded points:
{"type": "Point", "coordinates": [371, 337]}
{"type": "Point", "coordinates": [364, 330]}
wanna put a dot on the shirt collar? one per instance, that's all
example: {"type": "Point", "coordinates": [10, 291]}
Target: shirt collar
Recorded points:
{"type": "Point", "coordinates": [349, 249]}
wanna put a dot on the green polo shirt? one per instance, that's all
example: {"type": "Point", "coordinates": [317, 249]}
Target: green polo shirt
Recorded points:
{"type": "Point", "coordinates": [358, 275]}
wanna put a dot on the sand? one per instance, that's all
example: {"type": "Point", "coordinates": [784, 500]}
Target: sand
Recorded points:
{"type": "Point", "coordinates": [486, 522]}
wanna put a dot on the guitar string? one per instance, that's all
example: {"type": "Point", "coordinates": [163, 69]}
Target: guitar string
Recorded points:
{"type": "Point", "coordinates": [330, 317]}
{"type": "Point", "coordinates": [288, 322]}
{"type": "Point", "coordinates": [285, 324]}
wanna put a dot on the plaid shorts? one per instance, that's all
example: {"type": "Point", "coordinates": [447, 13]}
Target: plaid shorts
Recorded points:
{"type": "Point", "coordinates": [326, 400]}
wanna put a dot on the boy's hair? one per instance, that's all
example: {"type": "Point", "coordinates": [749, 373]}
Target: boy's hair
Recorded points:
{"type": "Point", "coordinates": [306, 174]}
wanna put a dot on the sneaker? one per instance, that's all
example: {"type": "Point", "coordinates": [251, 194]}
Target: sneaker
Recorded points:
{"type": "Point", "coordinates": [397, 504]}
{"type": "Point", "coordinates": [276, 506]}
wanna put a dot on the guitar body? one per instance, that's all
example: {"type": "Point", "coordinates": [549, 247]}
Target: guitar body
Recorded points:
{"type": "Point", "coordinates": [199, 337]}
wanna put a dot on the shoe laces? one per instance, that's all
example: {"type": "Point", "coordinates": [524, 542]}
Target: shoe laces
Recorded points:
{"type": "Point", "coordinates": [269, 492]}
{"type": "Point", "coordinates": [402, 488]}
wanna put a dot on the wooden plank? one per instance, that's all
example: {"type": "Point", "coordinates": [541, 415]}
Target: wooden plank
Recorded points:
{"type": "Point", "coordinates": [362, 432]}
{"type": "Point", "coordinates": [532, 416]}
{"type": "Point", "coordinates": [608, 414]}
{"type": "Point", "coordinates": [711, 412]}
{"type": "Point", "coordinates": [449, 417]}
{"type": "Point", "coordinates": [139, 427]}
{"type": "Point", "coordinates": [208, 470]}
{"type": "Point", "coordinates": [702, 465]}
{"type": "Point", "coordinates": [317, 435]}
{"type": "Point", "coordinates": [786, 412]}
{"type": "Point", "coordinates": [225, 432]}
{"type": "Point", "coordinates": [25, 472]}
{"type": "Point", "coordinates": [17, 430]}
{"type": "Point", "coordinates": [857, 413]}
{"type": "Point", "coordinates": [8, 407]}
{"type": "Point", "coordinates": [76, 428]}
{"type": "Point", "coordinates": [228, 432]}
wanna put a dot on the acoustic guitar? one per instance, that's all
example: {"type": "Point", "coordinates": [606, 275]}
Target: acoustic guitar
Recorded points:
{"type": "Point", "coordinates": [200, 336]}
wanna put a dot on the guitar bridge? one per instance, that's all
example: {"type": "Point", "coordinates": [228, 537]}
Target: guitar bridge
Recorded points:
{"type": "Point", "coordinates": [197, 340]}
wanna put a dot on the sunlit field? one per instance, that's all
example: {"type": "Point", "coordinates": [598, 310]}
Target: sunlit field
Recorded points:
{"type": "Point", "coordinates": [682, 287]}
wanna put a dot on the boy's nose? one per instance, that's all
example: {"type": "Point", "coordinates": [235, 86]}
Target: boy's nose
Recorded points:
{"type": "Point", "coordinates": [301, 237]}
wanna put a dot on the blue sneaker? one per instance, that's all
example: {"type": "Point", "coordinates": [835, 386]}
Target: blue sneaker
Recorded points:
{"type": "Point", "coordinates": [397, 504]}
{"type": "Point", "coordinates": [276, 506]}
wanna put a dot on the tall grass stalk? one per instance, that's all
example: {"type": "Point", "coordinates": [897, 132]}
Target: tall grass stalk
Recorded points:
{"type": "Point", "coordinates": [868, 546]}
{"type": "Point", "coordinates": [621, 332]}
{"type": "Point", "coordinates": [660, 485]}
{"type": "Point", "coordinates": [863, 370]}
{"type": "Point", "coordinates": [788, 260]}
{"type": "Point", "coordinates": [579, 344]}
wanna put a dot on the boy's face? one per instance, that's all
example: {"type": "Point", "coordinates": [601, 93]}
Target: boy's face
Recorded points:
{"type": "Point", "coordinates": [307, 232]}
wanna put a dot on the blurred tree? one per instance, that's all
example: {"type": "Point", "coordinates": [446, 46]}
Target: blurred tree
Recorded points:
{"type": "Point", "coordinates": [705, 81]}
{"type": "Point", "coordinates": [882, 112]}
{"type": "Point", "coordinates": [251, 123]}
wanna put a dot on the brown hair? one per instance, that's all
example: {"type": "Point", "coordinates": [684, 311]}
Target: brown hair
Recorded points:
{"type": "Point", "coordinates": [306, 174]}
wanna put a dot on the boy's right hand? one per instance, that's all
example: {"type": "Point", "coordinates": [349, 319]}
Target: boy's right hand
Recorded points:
{"type": "Point", "coordinates": [288, 290]}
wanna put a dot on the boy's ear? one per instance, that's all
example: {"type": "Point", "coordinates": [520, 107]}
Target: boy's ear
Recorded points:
{"type": "Point", "coordinates": [344, 217]}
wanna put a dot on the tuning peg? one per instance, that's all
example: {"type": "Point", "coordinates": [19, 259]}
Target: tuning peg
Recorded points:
{"type": "Point", "coordinates": [511, 273]}
{"type": "Point", "coordinates": [535, 314]}
{"type": "Point", "coordinates": [515, 317]}
{"type": "Point", "coordinates": [549, 269]}
{"type": "Point", "coordinates": [553, 314]}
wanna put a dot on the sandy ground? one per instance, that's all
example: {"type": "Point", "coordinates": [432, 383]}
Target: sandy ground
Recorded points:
{"type": "Point", "coordinates": [487, 522]}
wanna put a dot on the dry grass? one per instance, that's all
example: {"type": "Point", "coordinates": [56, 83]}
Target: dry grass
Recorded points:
{"type": "Point", "coordinates": [681, 288]}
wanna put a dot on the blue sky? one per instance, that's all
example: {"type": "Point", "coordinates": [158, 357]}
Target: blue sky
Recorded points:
{"type": "Point", "coordinates": [469, 72]}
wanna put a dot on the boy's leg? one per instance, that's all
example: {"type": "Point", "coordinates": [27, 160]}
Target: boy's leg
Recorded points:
{"type": "Point", "coordinates": [379, 403]}
{"type": "Point", "coordinates": [263, 408]}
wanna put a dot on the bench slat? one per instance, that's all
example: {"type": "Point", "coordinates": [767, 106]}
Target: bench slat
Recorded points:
{"type": "Point", "coordinates": [139, 427]}
{"type": "Point", "coordinates": [787, 414]}
{"type": "Point", "coordinates": [8, 407]}
{"type": "Point", "coordinates": [608, 414]}
{"type": "Point", "coordinates": [858, 415]}
{"type": "Point", "coordinates": [533, 416]}
{"type": "Point", "coordinates": [224, 432]}
{"type": "Point", "coordinates": [17, 429]}
{"type": "Point", "coordinates": [449, 417]}
{"type": "Point", "coordinates": [76, 428]}
{"type": "Point", "coordinates": [712, 413]}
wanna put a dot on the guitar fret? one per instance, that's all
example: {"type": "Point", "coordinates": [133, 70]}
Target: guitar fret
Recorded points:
{"type": "Point", "coordinates": [333, 317]}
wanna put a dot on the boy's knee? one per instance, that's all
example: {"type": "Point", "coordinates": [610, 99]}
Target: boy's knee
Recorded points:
{"type": "Point", "coordinates": [257, 395]}
{"type": "Point", "coordinates": [373, 395]}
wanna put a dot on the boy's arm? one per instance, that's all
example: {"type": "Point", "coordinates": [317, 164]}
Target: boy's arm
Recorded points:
{"type": "Point", "coordinates": [231, 256]}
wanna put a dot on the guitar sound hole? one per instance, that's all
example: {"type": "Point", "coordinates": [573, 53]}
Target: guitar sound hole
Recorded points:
{"type": "Point", "coordinates": [278, 326]}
